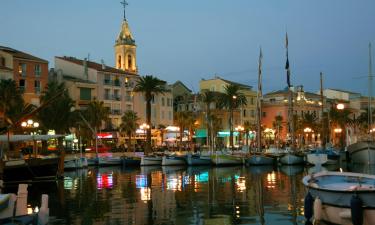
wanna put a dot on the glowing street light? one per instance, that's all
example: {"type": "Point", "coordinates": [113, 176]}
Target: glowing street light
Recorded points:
{"type": "Point", "coordinates": [340, 106]}
{"type": "Point", "coordinates": [337, 130]}
{"type": "Point", "coordinates": [30, 124]}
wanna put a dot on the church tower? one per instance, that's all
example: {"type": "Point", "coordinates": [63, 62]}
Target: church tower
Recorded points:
{"type": "Point", "coordinates": [125, 48]}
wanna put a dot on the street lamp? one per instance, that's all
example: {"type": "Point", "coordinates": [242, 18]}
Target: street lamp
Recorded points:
{"type": "Point", "coordinates": [30, 124]}
{"type": "Point", "coordinates": [239, 129]}
{"type": "Point", "coordinates": [144, 127]}
{"type": "Point", "coordinates": [340, 106]}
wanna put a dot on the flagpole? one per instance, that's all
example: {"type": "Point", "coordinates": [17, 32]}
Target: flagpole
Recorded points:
{"type": "Point", "coordinates": [290, 108]}
{"type": "Point", "coordinates": [259, 103]}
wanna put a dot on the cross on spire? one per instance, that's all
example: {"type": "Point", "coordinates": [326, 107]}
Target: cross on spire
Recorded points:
{"type": "Point", "coordinates": [124, 3]}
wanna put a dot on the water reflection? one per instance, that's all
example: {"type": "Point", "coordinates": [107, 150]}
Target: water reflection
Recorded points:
{"type": "Point", "coordinates": [174, 195]}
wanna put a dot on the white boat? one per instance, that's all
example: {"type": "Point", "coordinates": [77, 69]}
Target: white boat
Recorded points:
{"type": "Point", "coordinates": [275, 152]}
{"type": "Point", "coordinates": [75, 163]}
{"type": "Point", "coordinates": [151, 161]}
{"type": "Point", "coordinates": [259, 159]}
{"type": "Point", "coordinates": [317, 158]}
{"type": "Point", "coordinates": [362, 152]}
{"type": "Point", "coordinates": [109, 161]}
{"type": "Point", "coordinates": [224, 159]}
{"type": "Point", "coordinates": [173, 160]}
{"type": "Point", "coordinates": [198, 160]}
{"type": "Point", "coordinates": [340, 198]}
{"type": "Point", "coordinates": [291, 158]}
{"type": "Point", "coordinates": [14, 208]}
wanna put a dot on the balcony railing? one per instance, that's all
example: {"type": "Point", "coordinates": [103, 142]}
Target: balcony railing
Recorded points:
{"type": "Point", "coordinates": [116, 112]}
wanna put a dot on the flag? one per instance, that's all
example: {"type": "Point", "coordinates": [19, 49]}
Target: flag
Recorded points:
{"type": "Point", "coordinates": [287, 61]}
{"type": "Point", "coordinates": [260, 73]}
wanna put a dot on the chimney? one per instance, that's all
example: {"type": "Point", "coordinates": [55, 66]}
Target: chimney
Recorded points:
{"type": "Point", "coordinates": [85, 69]}
{"type": "Point", "coordinates": [103, 65]}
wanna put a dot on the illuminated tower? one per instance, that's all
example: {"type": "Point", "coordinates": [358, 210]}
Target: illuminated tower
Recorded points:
{"type": "Point", "coordinates": [125, 47]}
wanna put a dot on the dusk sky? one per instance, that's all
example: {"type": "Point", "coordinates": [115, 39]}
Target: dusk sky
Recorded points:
{"type": "Point", "coordinates": [191, 40]}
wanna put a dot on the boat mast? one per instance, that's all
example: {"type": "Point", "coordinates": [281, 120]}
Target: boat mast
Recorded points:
{"type": "Point", "coordinates": [369, 113]}
{"type": "Point", "coordinates": [259, 103]}
{"type": "Point", "coordinates": [290, 102]}
{"type": "Point", "coordinates": [323, 135]}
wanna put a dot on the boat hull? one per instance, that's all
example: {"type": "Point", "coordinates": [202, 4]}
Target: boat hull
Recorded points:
{"type": "Point", "coordinates": [198, 160]}
{"type": "Point", "coordinates": [291, 159]}
{"type": "Point", "coordinates": [317, 158]}
{"type": "Point", "coordinates": [75, 163]}
{"type": "Point", "coordinates": [131, 161]}
{"type": "Point", "coordinates": [223, 160]}
{"type": "Point", "coordinates": [259, 160]}
{"type": "Point", "coordinates": [31, 169]}
{"type": "Point", "coordinates": [151, 161]}
{"type": "Point", "coordinates": [109, 161]}
{"type": "Point", "coordinates": [335, 190]}
{"type": "Point", "coordinates": [362, 152]}
{"type": "Point", "coordinates": [173, 161]}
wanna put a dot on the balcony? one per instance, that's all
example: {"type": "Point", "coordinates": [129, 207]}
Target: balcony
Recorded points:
{"type": "Point", "coordinates": [107, 97]}
{"type": "Point", "coordinates": [107, 82]}
{"type": "Point", "coordinates": [116, 112]}
{"type": "Point", "coordinates": [116, 97]}
{"type": "Point", "coordinates": [117, 83]}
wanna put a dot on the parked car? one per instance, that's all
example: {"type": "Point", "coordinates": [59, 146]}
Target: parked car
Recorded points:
{"type": "Point", "coordinates": [101, 148]}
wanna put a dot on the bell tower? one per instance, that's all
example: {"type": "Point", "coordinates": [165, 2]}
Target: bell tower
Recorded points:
{"type": "Point", "coordinates": [125, 47]}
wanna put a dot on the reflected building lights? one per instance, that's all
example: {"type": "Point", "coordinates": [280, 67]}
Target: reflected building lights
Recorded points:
{"type": "Point", "coordinates": [241, 184]}
{"type": "Point", "coordinates": [104, 181]}
{"type": "Point", "coordinates": [145, 194]}
{"type": "Point", "coordinates": [174, 183]}
{"type": "Point", "coordinates": [271, 180]}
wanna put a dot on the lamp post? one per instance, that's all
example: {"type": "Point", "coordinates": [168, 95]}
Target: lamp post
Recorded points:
{"type": "Point", "coordinates": [239, 129]}
{"type": "Point", "coordinates": [144, 127]}
{"type": "Point", "coordinates": [30, 124]}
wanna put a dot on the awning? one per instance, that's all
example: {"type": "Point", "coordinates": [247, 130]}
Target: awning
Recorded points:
{"type": "Point", "coordinates": [18, 137]}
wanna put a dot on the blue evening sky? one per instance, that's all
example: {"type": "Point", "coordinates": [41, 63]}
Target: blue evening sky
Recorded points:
{"type": "Point", "coordinates": [195, 39]}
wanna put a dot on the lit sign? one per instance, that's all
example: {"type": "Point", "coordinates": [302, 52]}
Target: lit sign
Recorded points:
{"type": "Point", "coordinates": [104, 135]}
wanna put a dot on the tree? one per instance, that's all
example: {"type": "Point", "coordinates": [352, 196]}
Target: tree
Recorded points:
{"type": "Point", "coordinates": [180, 120]}
{"type": "Point", "coordinates": [232, 99]}
{"type": "Point", "coordinates": [11, 102]}
{"type": "Point", "coordinates": [247, 128]}
{"type": "Point", "coordinates": [149, 86]}
{"type": "Point", "coordinates": [129, 125]}
{"type": "Point", "coordinates": [339, 118]}
{"type": "Point", "coordinates": [96, 113]}
{"type": "Point", "coordinates": [278, 126]}
{"type": "Point", "coordinates": [208, 97]}
{"type": "Point", "coordinates": [57, 115]}
{"type": "Point", "coordinates": [215, 128]}
{"type": "Point", "coordinates": [190, 125]}
{"type": "Point", "coordinates": [161, 128]}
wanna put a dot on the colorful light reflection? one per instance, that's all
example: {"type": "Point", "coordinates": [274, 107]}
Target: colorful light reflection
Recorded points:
{"type": "Point", "coordinates": [104, 181]}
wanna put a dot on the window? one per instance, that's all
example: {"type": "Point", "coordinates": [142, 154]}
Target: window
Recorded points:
{"type": "Point", "coordinates": [264, 114]}
{"type": "Point", "coordinates": [252, 101]}
{"type": "Point", "coordinates": [169, 102]}
{"type": "Point", "coordinates": [170, 115]}
{"type": "Point", "coordinates": [22, 69]}
{"type": "Point", "coordinates": [22, 85]}
{"type": "Point", "coordinates": [106, 94]}
{"type": "Point", "coordinates": [129, 107]}
{"type": "Point", "coordinates": [119, 61]}
{"type": "Point", "coordinates": [117, 82]}
{"type": "Point", "coordinates": [85, 94]}
{"type": "Point", "coordinates": [107, 79]}
{"type": "Point", "coordinates": [244, 113]}
{"type": "Point", "coordinates": [37, 86]}
{"type": "Point", "coordinates": [162, 115]}
{"type": "Point", "coordinates": [130, 62]}
{"type": "Point", "coordinates": [116, 95]}
{"type": "Point", "coordinates": [2, 61]}
{"type": "Point", "coordinates": [154, 114]}
{"type": "Point", "coordinates": [162, 101]}
{"type": "Point", "coordinates": [252, 113]}
{"type": "Point", "coordinates": [37, 70]}
{"type": "Point", "coordinates": [212, 88]}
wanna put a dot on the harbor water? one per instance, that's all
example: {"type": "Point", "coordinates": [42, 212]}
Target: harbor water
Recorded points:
{"type": "Point", "coordinates": [176, 195]}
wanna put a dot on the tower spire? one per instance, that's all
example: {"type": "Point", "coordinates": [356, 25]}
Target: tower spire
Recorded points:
{"type": "Point", "coordinates": [124, 3]}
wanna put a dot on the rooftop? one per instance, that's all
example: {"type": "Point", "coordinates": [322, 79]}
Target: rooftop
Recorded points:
{"type": "Point", "coordinates": [94, 65]}
{"type": "Point", "coordinates": [21, 55]}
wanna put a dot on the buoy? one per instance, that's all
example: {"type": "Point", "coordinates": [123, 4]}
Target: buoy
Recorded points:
{"type": "Point", "coordinates": [318, 209]}
{"type": "Point", "coordinates": [356, 210]}
{"type": "Point", "coordinates": [309, 201]}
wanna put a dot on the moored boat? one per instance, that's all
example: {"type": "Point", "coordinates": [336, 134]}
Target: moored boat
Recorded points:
{"type": "Point", "coordinates": [198, 160]}
{"type": "Point", "coordinates": [109, 161]}
{"type": "Point", "coordinates": [173, 160]}
{"type": "Point", "coordinates": [151, 161]}
{"type": "Point", "coordinates": [362, 152]}
{"type": "Point", "coordinates": [291, 158]}
{"type": "Point", "coordinates": [224, 159]}
{"type": "Point", "coordinates": [131, 161]}
{"type": "Point", "coordinates": [259, 159]}
{"type": "Point", "coordinates": [317, 158]}
{"type": "Point", "coordinates": [75, 163]}
{"type": "Point", "coordinates": [340, 198]}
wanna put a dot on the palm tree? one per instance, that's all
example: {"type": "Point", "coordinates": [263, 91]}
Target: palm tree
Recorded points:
{"type": "Point", "coordinates": [278, 126]}
{"type": "Point", "coordinates": [232, 99]}
{"type": "Point", "coordinates": [57, 115]}
{"type": "Point", "coordinates": [339, 117]}
{"type": "Point", "coordinates": [190, 125]}
{"type": "Point", "coordinates": [180, 120]}
{"type": "Point", "coordinates": [96, 113]}
{"type": "Point", "coordinates": [248, 126]}
{"type": "Point", "coordinates": [11, 102]}
{"type": "Point", "coordinates": [208, 97]}
{"type": "Point", "coordinates": [129, 125]}
{"type": "Point", "coordinates": [161, 128]}
{"type": "Point", "coordinates": [216, 127]}
{"type": "Point", "coordinates": [149, 86]}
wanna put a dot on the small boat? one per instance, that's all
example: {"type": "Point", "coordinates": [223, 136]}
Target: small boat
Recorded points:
{"type": "Point", "coordinates": [225, 159]}
{"type": "Point", "coordinates": [340, 198]}
{"type": "Point", "coordinates": [151, 161]}
{"type": "Point", "coordinates": [109, 161]}
{"type": "Point", "coordinates": [131, 161]}
{"type": "Point", "coordinates": [173, 160]}
{"type": "Point", "coordinates": [317, 158]}
{"type": "Point", "coordinates": [291, 158]}
{"type": "Point", "coordinates": [274, 151]}
{"type": "Point", "coordinates": [198, 160]}
{"type": "Point", "coordinates": [362, 152]}
{"type": "Point", "coordinates": [14, 209]}
{"type": "Point", "coordinates": [259, 159]}
{"type": "Point", "coordinates": [75, 163]}
{"type": "Point", "coordinates": [92, 161]}
{"type": "Point", "coordinates": [30, 169]}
